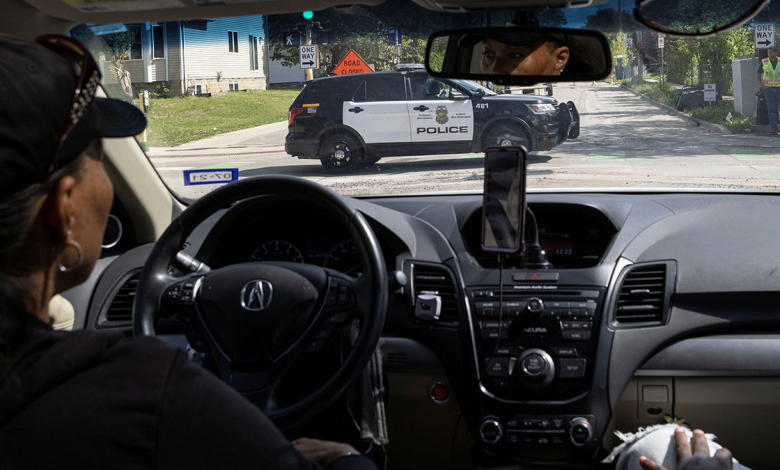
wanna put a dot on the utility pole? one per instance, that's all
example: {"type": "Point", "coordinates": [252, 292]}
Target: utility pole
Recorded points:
{"type": "Point", "coordinates": [620, 19]}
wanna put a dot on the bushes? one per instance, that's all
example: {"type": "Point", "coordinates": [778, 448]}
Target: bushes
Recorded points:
{"type": "Point", "coordinates": [717, 115]}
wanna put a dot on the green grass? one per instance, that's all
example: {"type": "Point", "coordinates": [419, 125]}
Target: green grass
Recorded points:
{"type": "Point", "coordinates": [175, 121]}
{"type": "Point", "coordinates": [717, 115]}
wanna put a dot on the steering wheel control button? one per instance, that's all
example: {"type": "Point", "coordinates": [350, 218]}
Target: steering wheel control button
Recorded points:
{"type": "Point", "coordinates": [565, 352]}
{"type": "Point", "coordinates": [315, 345]}
{"type": "Point", "coordinates": [533, 365]}
{"type": "Point", "coordinates": [173, 294]}
{"type": "Point", "coordinates": [580, 432]}
{"type": "Point", "coordinates": [576, 335]}
{"type": "Point", "coordinates": [500, 367]}
{"type": "Point", "coordinates": [572, 368]}
{"type": "Point", "coordinates": [323, 333]}
{"type": "Point", "coordinates": [336, 318]}
{"type": "Point", "coordinates": [491, 431]}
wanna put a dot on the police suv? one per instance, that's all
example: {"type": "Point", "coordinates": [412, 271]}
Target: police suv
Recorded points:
{"type": "Point", "coordinates": [350, 120]}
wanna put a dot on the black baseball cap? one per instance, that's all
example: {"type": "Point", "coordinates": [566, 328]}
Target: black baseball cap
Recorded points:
{"type": "Point", "coordinates": [511, 38]}
{"type": "Point", "coordinates": [36, 90]}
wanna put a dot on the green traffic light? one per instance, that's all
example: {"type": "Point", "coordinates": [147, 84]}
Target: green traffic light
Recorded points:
{"type": "Point", "coordinates": [308, 14]}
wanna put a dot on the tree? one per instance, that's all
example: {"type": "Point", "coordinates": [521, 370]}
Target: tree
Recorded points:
{"type": "Point", "coordinates": [366, 31]}
{"type": "Point", "coordinates": [606, 21]}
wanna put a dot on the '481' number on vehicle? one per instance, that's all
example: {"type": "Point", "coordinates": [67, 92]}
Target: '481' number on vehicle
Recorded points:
{"type": "Point", "coordinates": [481, 106]}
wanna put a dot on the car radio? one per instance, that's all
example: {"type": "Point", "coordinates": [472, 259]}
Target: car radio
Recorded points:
{"type": "Point", "coordinates": [535, 343]}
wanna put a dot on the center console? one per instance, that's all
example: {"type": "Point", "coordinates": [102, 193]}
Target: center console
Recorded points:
{"type": "Point", "coordinates": [536, 349]}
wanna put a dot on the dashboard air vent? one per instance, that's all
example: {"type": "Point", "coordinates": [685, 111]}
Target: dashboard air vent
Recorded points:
{"type": "Point", "coordinates": [642, 295]}
{"type": "Point", "coordinates": [434, 280]}
{"type": "Point", "coordinates": [121, 308]}
{"type": "Point", "coordinates": [396, 359]}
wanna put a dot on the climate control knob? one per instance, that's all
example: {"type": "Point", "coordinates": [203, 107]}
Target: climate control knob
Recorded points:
{"type": "Point", "coordinates": [535, 306]}
{"type": "Point", "coordinates": [491, 430]}
{"type": "Point", "coordinates": [580, 432]}
{"type": "Point", "coordinates": [535, 368]}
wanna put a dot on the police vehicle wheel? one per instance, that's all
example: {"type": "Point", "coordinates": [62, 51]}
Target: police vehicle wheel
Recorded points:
{"type": "Point", "coordinates": [340, 154]}
{"type": "Point", "coordinates": [505, 135]}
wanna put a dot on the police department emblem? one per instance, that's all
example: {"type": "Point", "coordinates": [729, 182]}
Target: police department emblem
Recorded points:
{"type": "Point", "coordinates": [441, 115]}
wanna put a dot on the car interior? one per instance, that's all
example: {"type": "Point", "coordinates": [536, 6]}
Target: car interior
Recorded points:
{"type": "Point", "coordinates": [652, 305]}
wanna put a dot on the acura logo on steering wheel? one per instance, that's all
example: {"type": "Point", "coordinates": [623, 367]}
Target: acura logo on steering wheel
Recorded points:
{"type": "Point", "coordinates": [256, 295]}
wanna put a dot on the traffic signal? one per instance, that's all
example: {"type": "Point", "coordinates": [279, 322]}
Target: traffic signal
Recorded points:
{"type": "Point", "coordinates": [292, 39]}
{"type": "Point", "coordinates": [308, 14]}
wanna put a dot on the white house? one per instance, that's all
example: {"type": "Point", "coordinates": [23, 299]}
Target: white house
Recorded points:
{"type": "Point", "coordinates": [201, 56]}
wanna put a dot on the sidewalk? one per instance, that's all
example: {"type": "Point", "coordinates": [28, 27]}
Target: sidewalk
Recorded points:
{"type": "Point", "coordinates": [268, 138]}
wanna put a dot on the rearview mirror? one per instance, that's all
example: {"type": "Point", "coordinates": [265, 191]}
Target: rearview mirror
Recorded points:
{"type": "Point", "coordinates": [519, 56]}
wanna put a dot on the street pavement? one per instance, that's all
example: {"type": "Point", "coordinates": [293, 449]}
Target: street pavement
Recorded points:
{"type": "Point", "coordinates": [625, 142]}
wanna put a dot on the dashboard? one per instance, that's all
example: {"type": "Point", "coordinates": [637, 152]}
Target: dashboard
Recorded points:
{"type": "Point", "coordinates": [282, 231]}
{"type": "Point", "coordinates": [544, 364]}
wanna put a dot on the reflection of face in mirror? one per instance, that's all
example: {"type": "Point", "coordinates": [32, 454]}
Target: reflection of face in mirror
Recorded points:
{"type": "Point", "coordinates": [560, 54]}
{"type": "Point", "coordinates": [546, 57]}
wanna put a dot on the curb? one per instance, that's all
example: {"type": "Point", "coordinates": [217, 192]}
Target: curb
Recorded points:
{"type": "Point", "coordinates": [710, 126]}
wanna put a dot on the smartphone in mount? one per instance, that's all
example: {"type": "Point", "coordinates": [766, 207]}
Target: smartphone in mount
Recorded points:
{"type": "Point", "coordinates": [503, 201]}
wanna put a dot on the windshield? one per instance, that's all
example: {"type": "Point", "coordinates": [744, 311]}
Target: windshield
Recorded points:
{"type": "Point", "coordinates": [341, 98]}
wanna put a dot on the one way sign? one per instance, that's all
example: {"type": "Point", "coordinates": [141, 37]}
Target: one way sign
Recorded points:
{"type": "Point", "coordinates": [764, 35]}
{"type": "Point", "coordinates": [310, 58]}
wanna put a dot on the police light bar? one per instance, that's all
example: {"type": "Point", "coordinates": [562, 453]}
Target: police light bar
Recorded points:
{"type": "Point", "coordinates": [410, 66]}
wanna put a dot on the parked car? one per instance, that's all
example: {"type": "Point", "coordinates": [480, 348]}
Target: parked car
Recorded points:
{"type": "Point", "coordinates": [349, 120]}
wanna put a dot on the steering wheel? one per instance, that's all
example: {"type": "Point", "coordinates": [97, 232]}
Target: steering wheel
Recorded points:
{"type": "Point", "coordinates": [257, 318]}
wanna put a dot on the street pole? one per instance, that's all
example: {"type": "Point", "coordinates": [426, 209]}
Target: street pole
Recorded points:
{"type": "Point", "coordinates": [639, 56]}
{"type": "Point", "coordinates": [397, 49]}
{"type": "Point", "coordinates": [620, 19]}
{"type": "Point", "coordinates": [309, 72]}
{"type": "Point", "coordinates": [662, 68]}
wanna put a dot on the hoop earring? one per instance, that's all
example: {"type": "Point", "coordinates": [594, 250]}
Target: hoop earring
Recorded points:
{"type": "Point", "coordinates": [76, 245]}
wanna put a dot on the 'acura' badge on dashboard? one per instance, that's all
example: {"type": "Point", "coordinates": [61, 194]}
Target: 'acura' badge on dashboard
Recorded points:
{"type": "Point", "coordinates": [256, 295]}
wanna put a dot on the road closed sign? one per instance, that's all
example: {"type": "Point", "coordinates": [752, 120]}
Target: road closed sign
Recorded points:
{"type": "Point", "coordinates": [352, 63]}
{"type": "Point", "coordinates": [310, 59]}
{"type": "Point", "coordinates": [764, 35]}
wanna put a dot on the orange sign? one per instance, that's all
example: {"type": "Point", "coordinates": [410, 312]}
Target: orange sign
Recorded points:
{"type": "Point", "coordinates": [352, 63]}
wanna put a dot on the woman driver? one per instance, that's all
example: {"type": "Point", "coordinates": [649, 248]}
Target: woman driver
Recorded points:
{"type": "Point", "coordinates": [89, 399]}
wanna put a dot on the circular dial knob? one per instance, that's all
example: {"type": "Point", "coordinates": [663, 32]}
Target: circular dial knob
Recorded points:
{"type": "Point", "coordinates": [536, 368]}
{"type": "Point", "coordinates": [535, 306]}
{"type": "Point", "coordinates": [580, 432]}
{"type": "Point", "coordinates": [491, 431]}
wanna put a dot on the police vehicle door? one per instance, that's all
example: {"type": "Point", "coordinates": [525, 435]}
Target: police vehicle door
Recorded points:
{"type": "Point", "coordinates": [436, 119]}
{"type": "Point", "coordinates": [378, 113]}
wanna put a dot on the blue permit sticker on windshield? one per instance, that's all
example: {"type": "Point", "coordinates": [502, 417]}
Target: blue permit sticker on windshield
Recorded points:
{"type": "Point", "coordinates": [214, 176]}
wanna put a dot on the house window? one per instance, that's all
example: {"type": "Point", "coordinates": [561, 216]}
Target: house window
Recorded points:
{"type": "Point", "coordinates": [136, 51]}
{"type": "Point", "coordinates": [254, 52]}
{"type": "Point", "coordinates": [233, 42]}
{"type": "Point", "coordinates": [198, 89]}
{"type": "Point", "coordinates": [158, 42]}
{"type": "Point", "coordinates": [233, 86]}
